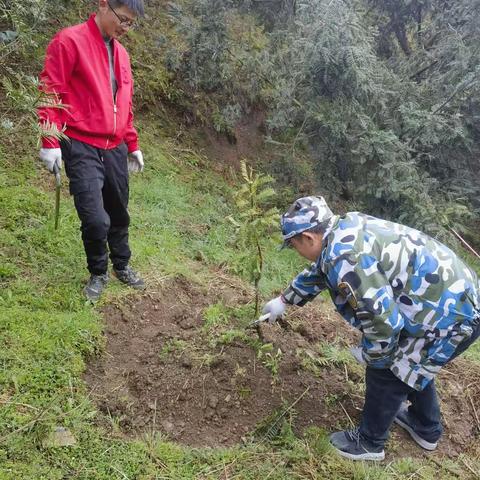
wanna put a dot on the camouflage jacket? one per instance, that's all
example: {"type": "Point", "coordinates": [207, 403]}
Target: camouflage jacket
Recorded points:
{"type": "Point", "coordinates": [411, 297]}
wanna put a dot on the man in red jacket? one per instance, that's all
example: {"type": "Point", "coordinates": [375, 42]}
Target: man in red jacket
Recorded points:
{"type": "Point", "coordinates": [88, 72]}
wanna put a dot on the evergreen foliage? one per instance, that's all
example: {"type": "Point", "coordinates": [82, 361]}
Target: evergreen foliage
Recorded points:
{"type": "Point", "coordinates": [26, 23]}
{"type": "Point", "coordinates": [255, 222]}
{"type": "Point", "coordinates": [221, 62]}
{"type": "Point", "coordinates": [381, 94]}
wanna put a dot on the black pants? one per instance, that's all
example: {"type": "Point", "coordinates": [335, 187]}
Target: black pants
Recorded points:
{"type": "Point", "coordinates": [99, 185]}
{"type": "Point", "coordinates": [385, 394]}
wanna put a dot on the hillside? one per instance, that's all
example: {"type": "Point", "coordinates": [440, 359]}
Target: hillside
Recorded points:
{"type": "Point", "coordinates": [171, 383]}
{"type": "Point", "coordinates": [146, 377]}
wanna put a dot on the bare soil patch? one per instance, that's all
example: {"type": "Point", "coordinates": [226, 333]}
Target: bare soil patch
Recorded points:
{"type": "Point", "coordinates": [162, 371]}
{"type": "Point", "coordinates": [246, 141]}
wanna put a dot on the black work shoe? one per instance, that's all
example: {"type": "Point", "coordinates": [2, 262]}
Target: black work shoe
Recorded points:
{"type": "Point", "coordinates": [129, 277]}
{"type": "Point", "coordinates": [349, 444]}
{"type": "Point", "coordinates": [94, 287]}
{"type": "Point", "coordinates": [405, 421]}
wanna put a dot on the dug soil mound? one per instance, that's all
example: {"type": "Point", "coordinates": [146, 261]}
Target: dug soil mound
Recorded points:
{"type": "Point", "coordinates": [164, 369]}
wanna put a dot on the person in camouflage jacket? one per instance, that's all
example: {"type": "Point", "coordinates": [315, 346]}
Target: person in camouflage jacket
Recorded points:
{"type": "Point", "coordinates": [415, 302]}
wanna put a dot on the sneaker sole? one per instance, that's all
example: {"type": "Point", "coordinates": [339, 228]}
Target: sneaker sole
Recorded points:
{"type": "Point", "coordinates": [419, 440]}
{"type": "Point", "coordinates": [376, 457]}
{"type": "Point", "coordinates": [91, 299]}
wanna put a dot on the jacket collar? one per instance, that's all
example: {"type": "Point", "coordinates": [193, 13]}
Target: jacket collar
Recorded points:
{"type": "Point", "coordinates": [327, 238]}
{"type": "Point", "coordinates": [95, 31]}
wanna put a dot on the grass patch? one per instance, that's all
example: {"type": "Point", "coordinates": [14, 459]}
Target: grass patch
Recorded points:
{"type": "Point", "coordinates": [215, 316]}
{"type": "Point", "coordinates": [473, 352]}
{"type": "Point", "coordinates": [173, 347]}
{"type": "Point", "coordinates": [178, 209]}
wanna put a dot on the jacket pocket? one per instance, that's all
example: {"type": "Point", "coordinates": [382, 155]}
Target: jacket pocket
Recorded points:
{"type": "Point", "coordinates": [126, 75]}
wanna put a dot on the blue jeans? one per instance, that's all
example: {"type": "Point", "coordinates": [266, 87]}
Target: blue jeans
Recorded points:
{"type": "Point", "coordinates": [385, 393]}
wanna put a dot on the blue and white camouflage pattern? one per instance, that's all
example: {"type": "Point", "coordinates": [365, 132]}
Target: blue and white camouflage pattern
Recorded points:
{"type": "Point", "coordinates": [412, 298]}
{"type": "Point", "coordinates": [305, 213]}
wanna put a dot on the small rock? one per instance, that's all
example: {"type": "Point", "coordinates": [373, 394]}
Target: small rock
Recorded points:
{"type": "Point", "coordinates": [187, 323]}
{"type": "Point", "coordinates": [228, 398]}
{"type": "Point", "coordinates": [223, 412]}
{"type": "Point", "coordinates": [209, 413]}
{"type": "Point", "coordinates": [60, 437]}
{"type": "Point", "coordinates": [167, 425]}
{"type": "Point", "coordinates": [213, 401]}
{"type": "Point", "coordinates": [186, 362]}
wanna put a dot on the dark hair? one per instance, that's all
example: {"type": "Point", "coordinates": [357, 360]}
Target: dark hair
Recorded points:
{"type": "Point", "coordinates": [320, 228]}
{"type": "Point", "coordinates": [136, 6]}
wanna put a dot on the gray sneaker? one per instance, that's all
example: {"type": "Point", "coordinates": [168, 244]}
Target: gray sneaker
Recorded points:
{"type": "Point", "coordinates": [349, 444]}
{"type": "Point", "coordinates": [129, 277]}
{"type": "Point", "coordinates": [403, 420]}
{"type": "Point", "coordinates": [94, 287]}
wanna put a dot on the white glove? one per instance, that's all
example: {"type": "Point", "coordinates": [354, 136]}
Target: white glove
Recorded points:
{"type": "Point", "coordinates": [135, 161]}
{"type": "Point", "coordinates": [276, 308]}
{"type": "Point", "coordinates": [50, 157]}
{"type": "Point", "coordinates": [357, 355]}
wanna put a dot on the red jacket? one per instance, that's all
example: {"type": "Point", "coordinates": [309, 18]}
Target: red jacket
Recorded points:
{"type": "Point", "coordinates": [78, 72]}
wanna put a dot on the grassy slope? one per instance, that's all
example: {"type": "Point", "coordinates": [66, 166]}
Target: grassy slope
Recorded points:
{"type": "Point", "coordinates": [46, 331]}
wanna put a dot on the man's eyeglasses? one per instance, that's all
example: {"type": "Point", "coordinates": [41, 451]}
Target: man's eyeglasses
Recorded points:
{"type": "Point", "coordinates": [124, 22]}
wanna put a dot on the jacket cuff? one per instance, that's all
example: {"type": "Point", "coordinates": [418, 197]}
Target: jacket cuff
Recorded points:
{"type": "Point", "coordinates": [133, 146]}
{"type": "Point", "coordinates": [291, 297]}
{"type": "Point", "coordinates": [50, 142]}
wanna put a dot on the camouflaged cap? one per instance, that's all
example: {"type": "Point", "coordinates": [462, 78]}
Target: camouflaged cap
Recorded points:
{"type": "Point", "coordinates": [304, 214]}
{"type": "Point", "coordinates": [412, 298]}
